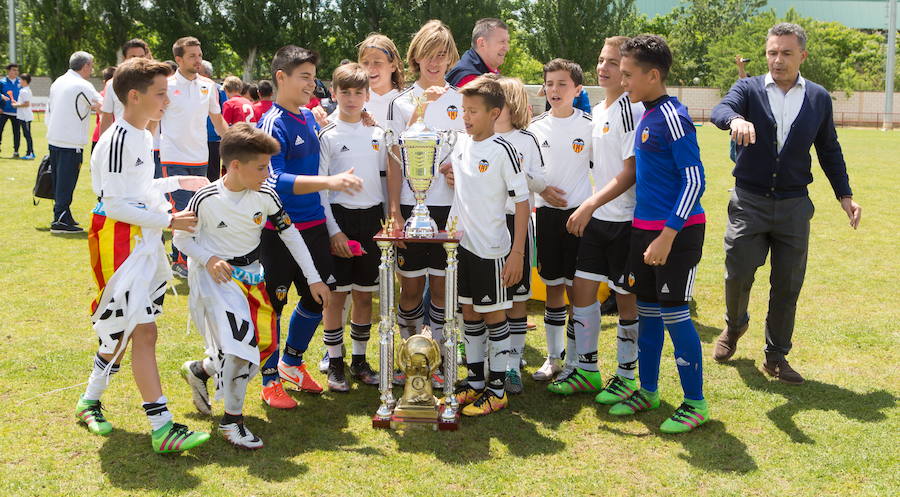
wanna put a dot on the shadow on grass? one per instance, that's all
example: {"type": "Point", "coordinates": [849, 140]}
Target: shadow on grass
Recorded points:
{"type": "Point", "coordinates": [710, 447]}
{"type": "Point", "coordinates": [126, 459]}
{"type": "Point", "coordinates": [813, 396]}
{"type": "Point", "coordinates": [81, 235]}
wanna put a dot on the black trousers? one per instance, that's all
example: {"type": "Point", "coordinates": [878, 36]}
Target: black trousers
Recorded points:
{"type": "Point", "coordinates": [15, 129]}
{"type": "Point", "coordinates": [26, 131]}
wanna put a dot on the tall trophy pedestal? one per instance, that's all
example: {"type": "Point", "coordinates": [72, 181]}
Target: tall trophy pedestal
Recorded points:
{"type": "Point", "coordinates": [410, 411]}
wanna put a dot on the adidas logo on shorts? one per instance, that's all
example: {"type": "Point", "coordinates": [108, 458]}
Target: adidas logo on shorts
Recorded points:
{"type": "Point", "coordinates": [665, 288]}
{"type": "Point", "coordinates": [485, 299]}
{"type": "Point", "coordinates": [299, 141]}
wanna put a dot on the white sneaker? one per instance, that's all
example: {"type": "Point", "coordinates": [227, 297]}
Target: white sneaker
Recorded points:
{"type": "Point", "coordinates": [199, 393]}
{"type": "Point", "coordinates": [323, 364]}
{"type": "Point", "coordinates": [238, 435]}
{"type": "Point", "coordinates": [567, 370]}
{"type": "Point", "coordinates": [548, 370]}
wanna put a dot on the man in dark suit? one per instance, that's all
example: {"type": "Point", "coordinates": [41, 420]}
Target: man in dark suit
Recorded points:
{"type": "Point", "coordinates": [775, 119]}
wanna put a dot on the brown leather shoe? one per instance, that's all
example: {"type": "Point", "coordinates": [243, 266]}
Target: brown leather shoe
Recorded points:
{"type": "Point", "coordinates": [782, 371]}
{"type": "Point", "coordinates": [726, 344]}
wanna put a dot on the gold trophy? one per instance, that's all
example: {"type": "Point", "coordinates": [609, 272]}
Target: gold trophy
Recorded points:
{"type": "Point", "coordinates": [419, 358]}
{"type": "Point", "coordinates": [419, 161]}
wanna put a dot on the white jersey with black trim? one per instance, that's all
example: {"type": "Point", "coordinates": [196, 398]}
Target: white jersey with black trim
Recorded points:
{"type": "Point", "coordinates": [343, 146]}
{"type": "Point", "coordinates": [566, 147]}
{"type": "Point", "coordinates": [486, 174]}
{"type": "Point", "coordinates": [183, 139]}
{"type": "Point", "coordinates": [230, 224]}
{"type": "Point", "coordinates": [444, 113]}
{"type": "Point", "coordinates": [613, 141]}
{"type": "Point", "coordinates": [122, 178]}
{"type": "Point", "coordinates": [532, 163]}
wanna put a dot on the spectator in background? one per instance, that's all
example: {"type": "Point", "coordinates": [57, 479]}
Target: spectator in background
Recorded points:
{"type": "Point", "coordinates": [9, 86]}
{"type": "Point", "coordinates": [107, 77]}
{"type": "Point", "coordinates": [490, 43]}
{"type": "Point", "coordinates": [237, 108]}
{"type": "Point", "coordinates": [265, 99]}
{"type": "Point", "coordinates": [24, 113]}
{"type": "Point", "coordinates": [253, 92]}
{"type": "Point", "coordinates": [112, 107]}
{"type": "Point", "coordinates": [72, 97]}
{"type": "Point", "coordinates": [214, 168]}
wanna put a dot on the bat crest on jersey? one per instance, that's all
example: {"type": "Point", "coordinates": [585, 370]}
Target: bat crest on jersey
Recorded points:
{"type": "Point", "coordinates": [452, 112]}
{"type": "Point", "coordinates": [375, 145]}
{"type": "Point", "coordinates": [281, 293]}
{"type": "Point", "coordinates": [645, 134]}
{"type": "Point", "coordinates": [578, 145]}
{"type": "Point", "coordinates": [257, 217]}
{"type": "Point", "coordinates": [483, 165]}
{"type": "Point", "coordinates": [204, 90]}
{"type": "Point", "coordinates": [606, 128]}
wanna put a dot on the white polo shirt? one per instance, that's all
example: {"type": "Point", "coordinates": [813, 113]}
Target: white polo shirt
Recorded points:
{"type": "Point", "coordinates": [613, 141]}
{"type": "Point", "coordinates": [566, 147]}
{"type": "Point", "coordinates": [183, 126]}
{"type": "Point", "coordinates": [24, 113]}
{"type": "Point", "coordinates": [69, 110]}
{"type": "Point", "coordinates": [444, 113]}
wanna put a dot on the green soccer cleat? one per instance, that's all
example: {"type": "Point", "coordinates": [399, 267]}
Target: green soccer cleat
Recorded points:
{"type": "Point", "coordinates": [617, 389]}
{"type": "Point", "coordinates": [91, 413]}
{"type": "Point", "coordinates": [640, 400]}
{"type": "Point", "coordinates": [174, 437]}
{"type": "Point", "coordinates": [580, 381]}
{"type": "Point", "coordinates": [687, 417]}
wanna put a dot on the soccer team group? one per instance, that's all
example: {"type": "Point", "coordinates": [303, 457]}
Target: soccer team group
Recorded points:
{"type": "Point", "coordinates": [617, 198]}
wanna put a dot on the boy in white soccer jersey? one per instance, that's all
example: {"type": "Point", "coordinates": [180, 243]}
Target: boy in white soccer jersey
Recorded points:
{"type": "Point", "coordinates": [564, 134]}
{"type": "Point", "coordinates": [347, 144]}
{"type": "Point", "coordinates": [228, 298]}
{"type": "Point", "coordinates": [604, 224]}
{"type": "Point", "coordinates": [487, 174]}
{"type": "Point", "coordinates": [127, 256]}
{"type": "Point", "coordinates": [431, 53]}
{"type": "Point", "coordinates": [511, 126]}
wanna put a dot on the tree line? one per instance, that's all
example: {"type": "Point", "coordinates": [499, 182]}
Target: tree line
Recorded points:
{"type": "Point", "coordinates": [240, 36]}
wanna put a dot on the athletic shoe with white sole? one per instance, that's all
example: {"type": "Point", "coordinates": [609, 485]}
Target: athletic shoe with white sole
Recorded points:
{"type": "Point", "coordinates": [199, 391]}
{"type": "Point", "coordinates": [238, 435]}
{"type": "Point", "coordinates": [548, 370]}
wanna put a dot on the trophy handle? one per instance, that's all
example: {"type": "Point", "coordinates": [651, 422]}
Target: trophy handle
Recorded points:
{"type": "Point", "coordinates": [390, 140]}
{"type": "Point", "coordinates": [450, 136]}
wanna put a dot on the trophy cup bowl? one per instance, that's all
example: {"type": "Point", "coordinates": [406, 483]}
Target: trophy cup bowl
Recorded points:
{"type": "Point", "coordinates": [419, 161]}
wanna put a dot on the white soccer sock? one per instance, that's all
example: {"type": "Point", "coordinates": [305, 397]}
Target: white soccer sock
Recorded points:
{"type": "Point", "coordinates": [334, 342]}
{"type": "Point", "coordinates": [359, 337]}
{"type": "Point", "coordinates": [410, 321]}
{"type": "Point", "coordinates": [586, 324]}
{"type": "Point", "coordinates": [499, 356]}
{"type": "Point", "coordinates": [157, 413]}
{"type": "Point", "coordinates": [98, 381]}
{"type": "Point", "coordinates": [436, 316]}
{"type": "Point", "coordinates": [554, 324]}
{"type": "Point", "coordinates": [476, 338]}
{"type": "Point", "coordinates": [571, 349]}
{"type": "Point", "coordinates": [517, 330]}
{"type": "Point", "coordinates": [236, 375]}
{"type": "Point", "coordinates": [627, 349]}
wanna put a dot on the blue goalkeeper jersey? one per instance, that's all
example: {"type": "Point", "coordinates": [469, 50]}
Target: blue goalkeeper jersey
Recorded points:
{"type": "Point", "coordinates": [670, 178]}
{"type": "Point", "coordinates": [299, 155]}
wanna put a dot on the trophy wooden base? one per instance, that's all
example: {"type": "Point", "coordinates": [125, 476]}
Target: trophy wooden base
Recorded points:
{"type": "Point", "coordinates": [437, 423]}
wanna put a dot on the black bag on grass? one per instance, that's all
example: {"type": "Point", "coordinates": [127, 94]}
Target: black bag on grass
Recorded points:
{"type": "Point", "coordinates": [43, 184]}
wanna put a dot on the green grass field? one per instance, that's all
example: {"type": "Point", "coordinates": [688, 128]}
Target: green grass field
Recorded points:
{"type": "Point", "coordinates": [835, 435]}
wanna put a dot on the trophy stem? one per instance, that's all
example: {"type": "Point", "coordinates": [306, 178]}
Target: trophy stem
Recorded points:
{"type": "Point", "coordinates": [451, 334]}
{"type": "Point", "coordinates": [386, 331]}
